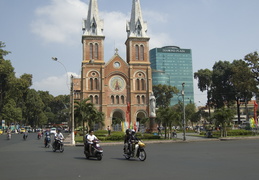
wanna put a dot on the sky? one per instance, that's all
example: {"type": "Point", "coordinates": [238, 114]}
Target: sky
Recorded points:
{"type": "Point", "coordinates": [37, 30]}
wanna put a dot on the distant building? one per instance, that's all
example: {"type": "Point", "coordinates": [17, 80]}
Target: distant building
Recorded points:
{"type": "Point", "coordinates": [172, 65]}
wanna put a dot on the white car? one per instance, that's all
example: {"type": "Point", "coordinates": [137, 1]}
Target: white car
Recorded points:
{"type": "Point", "coordinates": [53, 131]}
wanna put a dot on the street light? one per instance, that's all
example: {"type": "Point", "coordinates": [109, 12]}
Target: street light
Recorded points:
{"type": "Point", "coordinates": [56, 59]}
{"type": "Point", "coordinates": [71, 103]}
{"type": "Point", "coordinates": [184, 128]}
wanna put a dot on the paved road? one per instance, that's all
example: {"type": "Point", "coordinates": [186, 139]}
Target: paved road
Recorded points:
{"type": "Point", "coordinates": [29, 160]}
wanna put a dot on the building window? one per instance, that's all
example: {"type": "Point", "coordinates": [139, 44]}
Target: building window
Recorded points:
{"type": "Point", "coordinates": [122, 100]}
{"type": "Point", "coordinates": [96, 100]}
{"type": "Point", "coordinates": [117, 100]}
{"type": "Point", "coordinates": [137, 84]}
{"type": "Point", "coordinates": [138, 99]}
{"type": "Point", "coordinates": [96, 51]}
{"type": "Point", "coordinates": [143, 84]}
{"type": "Point", "coordinates": [91, 51]}
{"type": "Point", "coordinates": [137, 52]}
{"type": "Point", "coordinates": [143, 99]}
{"type": "Point", "coordinates": [112, 99]}
{"type": "Point", "coordinates": [91, 99]}
{"type": "Point", "coordinates": [141, 53]}
{"type": "Point", "coordinates": [91, 84]}
{"type": "Point", "coordinates": [96, 83]}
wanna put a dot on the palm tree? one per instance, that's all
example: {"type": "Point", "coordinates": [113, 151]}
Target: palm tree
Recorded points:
{"type": "Point", "coordinates": [223, 117]}
{"type": "Point", "coordinates": [168, 117]}
{"type": "Point", "coordinates": [85, 112]}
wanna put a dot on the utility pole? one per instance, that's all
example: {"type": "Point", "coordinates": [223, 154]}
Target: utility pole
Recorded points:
{"type": "Point", "coordinates": [184, 128]}
{"type": "Point", "coordinates": [72, 112]}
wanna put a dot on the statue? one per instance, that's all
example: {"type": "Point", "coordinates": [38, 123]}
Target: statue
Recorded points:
{"type": "Point", "coordinates": [152, 101]}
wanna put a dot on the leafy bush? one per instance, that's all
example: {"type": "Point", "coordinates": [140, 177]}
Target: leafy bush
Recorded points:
{"type": "Point", "coordinates": [116, 136]}
{"type": "Point", "coordinates": [239, 132]}
{"type": "Point", "coordinates": [147, 136]}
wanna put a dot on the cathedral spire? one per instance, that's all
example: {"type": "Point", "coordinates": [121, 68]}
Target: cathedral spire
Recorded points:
{"type": "Point", "coordinates": [93, 26]}
{"type": "Point", "coordinates": [136, 27]}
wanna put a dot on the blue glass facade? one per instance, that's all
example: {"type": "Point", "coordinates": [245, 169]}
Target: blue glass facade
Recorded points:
{"type": "Point", "coordinates": [172, 65]}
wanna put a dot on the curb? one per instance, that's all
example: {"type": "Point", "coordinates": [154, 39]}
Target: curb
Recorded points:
{"type": "Point", "coordinates": [67, 141]}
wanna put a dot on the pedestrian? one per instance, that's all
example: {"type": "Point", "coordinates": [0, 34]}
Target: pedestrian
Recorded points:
{"type": "Point", "coordinates": [109, 130]}
{"type": "Point", "coordinates": [159, 130]}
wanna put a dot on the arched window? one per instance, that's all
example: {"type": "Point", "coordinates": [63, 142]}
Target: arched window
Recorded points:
{"type": "Point", "coordinates": [137, 52]}
{"type": "Point", "coordinates": [143, 84]}
{"type": "Point", "coordinates": [141, 53]}
{"type": "Point", "coordinates": [91, 99]}
{"type": "Point", "coordinates": [143, 99]}
{"type": "Point", "coordinates": [96, 51]}
{"type": "Point", "coordinates": [122, 100]}
{"type": "Point", "coordinates": [91, 84]}
{"type": "Point", "coordinates": [96, 83]}
{"type": "Point", "coordinates": [91, 51]}
{"type": "Point", "coordinates": [117, 100]}
{"type": "Point", "coordinates": [138, 99]}
{"type": "Point", "coordinates": [137, 84]}
{"type": "Point", "coordinates": [112, 99]}
{"type": "Point", "coordinates": [96, 100]}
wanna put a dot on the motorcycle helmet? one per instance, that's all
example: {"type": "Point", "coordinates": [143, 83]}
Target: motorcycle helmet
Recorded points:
{"type": "Point", "coordinates": [128, 131]}
{"type": "Point", "coordinates": [133, 132]}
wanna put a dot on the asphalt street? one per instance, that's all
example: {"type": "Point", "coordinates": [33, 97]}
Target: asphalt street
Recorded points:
{"type": "Point", "coordinates": [30, 160]}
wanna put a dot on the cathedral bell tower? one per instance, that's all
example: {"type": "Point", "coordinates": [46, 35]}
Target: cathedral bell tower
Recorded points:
{"type": "Point", "coordinates": [137, 49]}
{"type": "Point", "coordinates": [93, 56]}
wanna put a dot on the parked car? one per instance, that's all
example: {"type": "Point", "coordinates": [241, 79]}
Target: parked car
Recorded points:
{"type": "Point", "coordinates": [53, 131]}
{"type": "Point", "coordinates": [22, 130]}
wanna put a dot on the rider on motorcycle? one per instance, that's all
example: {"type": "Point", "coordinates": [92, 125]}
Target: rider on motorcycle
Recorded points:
{"type": "Point", "coordinates": [133, 138]}
{"type": "Point", "coordinates": [90, 138]}
{"type": "Point", "coordinates": [129, 140]}
{"type": "Point", "coordinates": [47, 136]}
{"type": "Point", "coordinates": [58, 136]}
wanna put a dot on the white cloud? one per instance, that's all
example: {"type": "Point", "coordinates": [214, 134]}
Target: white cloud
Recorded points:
{"type": "Point", "coordinates": [59, 21]}
{"type": "Point", "coordinates": [56, 85]}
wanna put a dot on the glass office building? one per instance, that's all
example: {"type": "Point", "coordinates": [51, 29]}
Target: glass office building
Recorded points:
{"type": "Point", "coordinates": [172, 65]}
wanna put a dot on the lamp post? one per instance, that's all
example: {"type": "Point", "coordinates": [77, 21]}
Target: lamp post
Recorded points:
{"type": "Point", "coordinates": [71, 104]}
{"type": "Point", "coordinates": [72, 112]}
{"type": "Point", "coordinates": [184, 128]}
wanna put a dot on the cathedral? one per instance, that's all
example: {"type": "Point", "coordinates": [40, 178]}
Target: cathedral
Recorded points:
{"type": "Point", "coordinates": [119, 88]}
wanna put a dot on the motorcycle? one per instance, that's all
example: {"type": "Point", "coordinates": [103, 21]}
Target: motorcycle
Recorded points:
{"type": "Point", "coordinates": [58, 145]}
{"type": "Point", "coordinates": [39, 136]}
{"type": "Point", "coordinates": [25, 136]}
{"type": "Point", "coordinates": [9, 135]}
{"type": "Point", "coordinates": [47, 141]}
{"type": "Point", "coordinates": [96, 149]}
{"type": "Point", "coordinates": [137, 150]}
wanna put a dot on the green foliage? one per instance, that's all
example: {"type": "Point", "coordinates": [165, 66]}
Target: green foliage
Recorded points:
{"type": "Point", "coordinates": [150, 136]}
{"type": "Point", "coordinates": [164, 94]}
{"type": "Point", "coordinates": [19, 103]}
{"type": "Point", "coordinates": [86, 112]}
{"type": "Point", "coordinates": [234, 133]}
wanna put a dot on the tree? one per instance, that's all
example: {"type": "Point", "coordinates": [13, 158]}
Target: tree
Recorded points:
{"type": "Point", "coordinates": [34, 108]}
{"type": "Point", "coordinates": [6, 74]}
{"type": "Point", "coordinates": [164, 94]}
{"type": "Point", "coordinates": [204, 77]}
{"type": "Point", "coordinates": [168, 117]}
{"type": "Point", "coordinates": [253, 62]}
{"type": "Point", "coordinates": [86, 113]}
{"type": "Point", "coordinates": [190, 111]}
{"type": "Point", "coordinates": [243, 83]}
{"type": "Point", "coordinates": [223, 117]}
{"type": "Point", "coordinates": [11, 113]}
{"type": "Point", "coordinates": [222, 88]}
